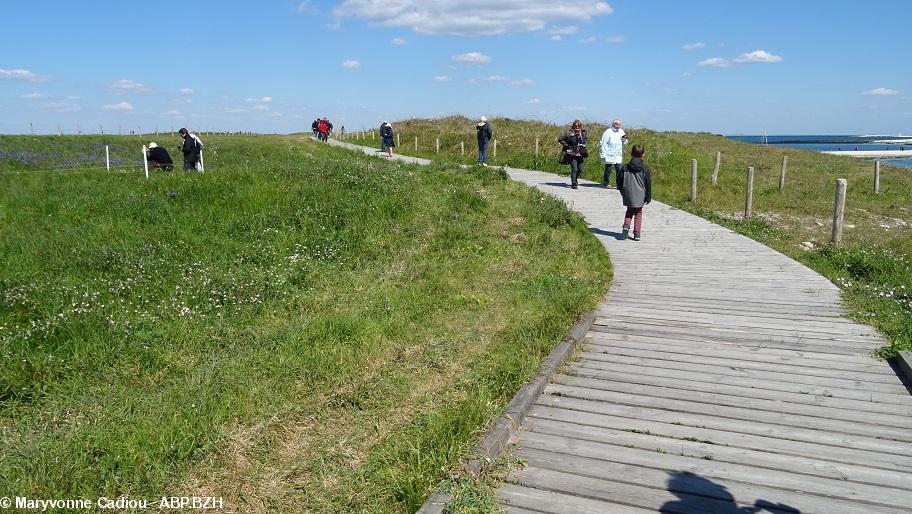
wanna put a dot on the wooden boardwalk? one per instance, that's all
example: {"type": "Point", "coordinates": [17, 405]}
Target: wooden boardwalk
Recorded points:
{"type": "Point", "coordinates": [719, 377]}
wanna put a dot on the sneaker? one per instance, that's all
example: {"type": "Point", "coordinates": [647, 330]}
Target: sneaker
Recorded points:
{"type": "Point", "coordinates": [574, 186]}
{"type": "Point", "coordinates": [636, 236]}
{"type": "Point", "coordinates": [625, 233]}
{"type": "Point", "coordinates": [484, 164]}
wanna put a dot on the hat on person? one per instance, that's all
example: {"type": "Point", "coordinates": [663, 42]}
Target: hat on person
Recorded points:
{"type": "Point", "coordinates": [484, 118]}
{"type": "Point", "coordinates": [152, 145]}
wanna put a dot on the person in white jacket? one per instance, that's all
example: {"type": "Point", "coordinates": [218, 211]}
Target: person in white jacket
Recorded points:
{"type": "Point", "coordinates": [611, 149]}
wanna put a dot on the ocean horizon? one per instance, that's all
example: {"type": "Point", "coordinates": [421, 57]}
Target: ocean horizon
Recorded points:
{"type": "Point", "coordinates": [836, 142]}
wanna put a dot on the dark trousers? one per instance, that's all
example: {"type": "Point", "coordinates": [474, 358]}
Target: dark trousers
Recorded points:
{"type": "Point", "coordinates": [576, 169]}
{"type": "Point", "coordinates": [617, 167]}
{"type": "Point", "coordinates": [634, 214]}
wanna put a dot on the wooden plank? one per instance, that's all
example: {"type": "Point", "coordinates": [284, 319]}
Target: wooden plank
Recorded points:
{"type": "Point", "coordinates": [739, 413]}
{"type": "Point", "coordinates": [744, 361]}
{"type": "Point", "coordinates": [542, 500]}
{"type": "Point", "coordinates": [593, 360]}
{"type": "Point", "coordinates": [676, 490]}
{"type": "Point", "coordinates": [824, 452]}
{"type": "Point", "coordinates": [713, 422]}
{"type": "Point", "coordinates": [778, 479]}
{"type": "Point", "coordinates": [710, 450]}
{"type": "Point", "coordinates": [739, 390]}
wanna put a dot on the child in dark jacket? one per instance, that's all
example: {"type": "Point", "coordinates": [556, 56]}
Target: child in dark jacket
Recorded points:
{"type": "Point", "coordinates": [635, 185]}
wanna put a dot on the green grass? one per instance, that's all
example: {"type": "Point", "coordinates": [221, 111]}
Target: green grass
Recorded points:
{"type": "Point", "coordinates": [297, 329]}
{"type": "Point", "coordinates": [873, 265]}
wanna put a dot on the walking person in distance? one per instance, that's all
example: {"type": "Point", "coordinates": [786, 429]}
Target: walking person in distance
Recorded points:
{"type": "Point", "coordinates": [573, 150]}
{"type": "Point", "coordinates": [191, 149]}
{"type": "Point", "coordinates": [611, 149]}
{"type": "Point", "coordinates": [386, 139]}
{"type": "Point", "coordinates": [635, 184]}
{"type": "Point", "coordinates": [485, 133]}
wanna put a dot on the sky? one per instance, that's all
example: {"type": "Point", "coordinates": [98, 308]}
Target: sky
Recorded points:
{"type": "Point", "coordinates": [728, 67]}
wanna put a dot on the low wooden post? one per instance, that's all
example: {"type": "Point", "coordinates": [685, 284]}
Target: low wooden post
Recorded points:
{"type": "Point", "coordinates": [785, 161]}
{"type": "Point", "coordinates": [416, 143]}
{"type": "Point", "coordinates": [876, 176]}
{"type": "Point", "coordinates": [536, 147]}
{"type": "Point", "coordinates": [108, 157]}
{"type": "Point", "coordinates": [715, 175]}
{"type": "Point", "coordinates": [839, 209]}
{"type": "Point", "coordinates": [462, 148]}
{"type": "Point", "coordinates": [495, 148]}
{"type": "Point", "coordinates": [693, 181]}
{"type": "Point", "coordinates": [145, 161]}
{"type": "Point", "coordinates": [398, 142]}
{"type": "Point", "coordinates": [749, 195]}
{"type": "Point", "coordinates": [437, 145]}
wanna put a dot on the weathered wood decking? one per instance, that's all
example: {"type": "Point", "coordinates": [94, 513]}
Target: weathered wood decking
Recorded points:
{"type": "Point", "coordinates": [719, 377]}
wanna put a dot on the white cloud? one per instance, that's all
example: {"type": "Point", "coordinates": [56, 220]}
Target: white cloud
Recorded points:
{"type": "Point", "coordinates": [564, 31]}
{"type": "Point", "coordinates": [533, 101]}
{"type": "Point", "coordinates": [62, 107]}
{"type": "Point", "coordinates": [122, 106]}
{"type": "Point", "coordinates": [234, 110]}
{"type": "Point", "coordinates": [881, 91]}
{"type": "Point", "coordinates": [500, 79]}
{"type": "Point", "coordinates": [33, 96]}
{"type": "Point", "coordinates": [588, 40]}
{"type": "Point", "coordinates": [307, 9]}
{"type": "Point", "coordinates": [454, 17]}
{"type": "Point", "coordinates": [472, 57]}
{"type": "Point", "coordinates": [398, 41]}
{"type": "Point", "coordinates": [693, 46]}
{"type": "Point", "coordinates": [716, 62]}
{"type": "Point", "coordinates": [351, 64]}
{"type": "Point", "coordinates": [260, 107]}
{"type": "Point", "coordinates": [556, 37]}
{"type": "Point", "coordinates": [24, 75]}
{"type": "Point", "coordinates": [172, 112]}
{"type": "Point", "coordinates": [186, 91]}
{"type": "Point", "coordinates": [614, 40]}
{"type": "Point", "coordinates": [260, 100]}
{"type": "Point", "coordinates": [127, 86]}
{"type": "Point", "coordinates": [757, 56]}
{"type": "Point", "coordinates": [442, 78]}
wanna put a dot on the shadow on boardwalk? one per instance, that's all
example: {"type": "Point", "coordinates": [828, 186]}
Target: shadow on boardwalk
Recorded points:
{"type": "Point", "coordinates": [700, 495]}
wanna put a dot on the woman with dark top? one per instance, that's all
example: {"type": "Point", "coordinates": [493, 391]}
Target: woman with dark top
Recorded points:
{"type": "Point", "coordinates": [573, 150]}
{"type": "Point", "coordinates": [386, 139]}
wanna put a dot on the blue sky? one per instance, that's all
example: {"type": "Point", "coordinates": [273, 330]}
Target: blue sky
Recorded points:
{"type": "Point", "coordinates": [777, 67]}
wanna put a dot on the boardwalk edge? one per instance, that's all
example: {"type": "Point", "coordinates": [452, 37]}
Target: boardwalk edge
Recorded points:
{"type": "Point", "coordinates": [903, 362]}
{"type": "Point", "coordinates": [499, 434]}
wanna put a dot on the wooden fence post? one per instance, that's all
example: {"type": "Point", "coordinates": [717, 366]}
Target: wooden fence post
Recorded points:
{"type": "Point", "coordinates": [749, 195]}
{"type": "Point", "coordinates": [398, 141]}
{"type": "Point", "coordinates": [785, 160]}
{"type": "Point", "coordinates": [495, 148]}
{"type": "Point", "coordinates": [536, 147]}
{"type": "Point", "coordinates": [462, 148]}
{"type": "Point", "coordinates": [715, 175]}
{"type": "Point", "coordinates": [876, 176]}
{"type": "Point", "coordinates": [437, 145]}
{"type": "Point", "coordinates": [839, 209]}
{"type": "Point", "coordinates": [693, 181]}
{"type": "Point", "coordinates": [416, 143]}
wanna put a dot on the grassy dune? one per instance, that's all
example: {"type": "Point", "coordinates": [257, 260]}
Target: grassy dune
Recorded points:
{"type": "Point", "coordinates": [873, 267]}
{"type": "Point", "coordinates": [298, 329]}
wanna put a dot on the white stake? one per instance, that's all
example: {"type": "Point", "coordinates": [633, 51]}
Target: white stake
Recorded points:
{"type": "Point", "coordinates": [145, 162]}
{"type": "Point", "coordinates": [108, 157]}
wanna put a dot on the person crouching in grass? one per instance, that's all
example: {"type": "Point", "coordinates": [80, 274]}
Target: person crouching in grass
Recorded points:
{"type": "Point", "coordinates": [158, 157]}
{"type": "Point", "coordinates": [635, 185]}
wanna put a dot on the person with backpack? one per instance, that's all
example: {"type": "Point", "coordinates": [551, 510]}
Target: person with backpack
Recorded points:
{"type": "Point", "coordinates": [573, 150]}
{"type": "Point", "coordinates": [315, 126]}
{"type": "Point", "coordinates": [386, 139]}
{"type": "Point", "coordinates": [323, 129]}
{"type": "Point", "coordinates": [484, 133]}
{"type": "Point", "coordinates": [634, 181]}
{"type": "Point", "coordinates": [192, 149]}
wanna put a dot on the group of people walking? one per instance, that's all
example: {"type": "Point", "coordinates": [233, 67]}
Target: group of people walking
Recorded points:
{"type": "Point", "coordinates": [634, 180]}
{"type": "Point", "coordinates": [322, 128]}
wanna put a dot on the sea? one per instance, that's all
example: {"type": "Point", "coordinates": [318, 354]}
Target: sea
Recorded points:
{"type": "Point", "coordinates": [826, 143]}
